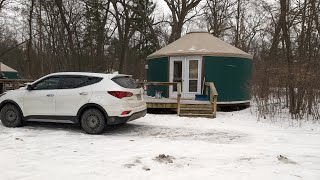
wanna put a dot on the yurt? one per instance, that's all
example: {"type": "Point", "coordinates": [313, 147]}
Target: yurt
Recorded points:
{"type": "Point", "coordinates": [7, 72]}
{"type": "Point", "coordinates": [200, 57]}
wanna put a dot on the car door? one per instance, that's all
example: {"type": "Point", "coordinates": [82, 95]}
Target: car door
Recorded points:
{"type": "Point", "coordinates": [40, 99]}
{"type": "Point", "coordinates": [73, 93]}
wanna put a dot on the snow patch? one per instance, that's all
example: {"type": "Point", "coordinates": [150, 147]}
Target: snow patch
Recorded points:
{"type": "Point", "coordinates": [233, 146]}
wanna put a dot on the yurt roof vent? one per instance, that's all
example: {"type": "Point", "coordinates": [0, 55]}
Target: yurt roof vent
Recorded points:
{"type": "Point", "coordinates": [198, 31]}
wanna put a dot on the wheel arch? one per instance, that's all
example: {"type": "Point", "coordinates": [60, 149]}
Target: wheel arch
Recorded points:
{"type": "Point", "coordinates": [91, 105]}
{"type": "Point", "coordinates": [5, 102]}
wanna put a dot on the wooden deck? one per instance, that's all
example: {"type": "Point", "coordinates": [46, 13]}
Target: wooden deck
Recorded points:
{"type": "Point", "coordinates": [10, 84]}
{"type": "Point", "coordinates": [152, 101]}
{"type": "Point", "coordinates": [186, 107]}
{"type": "Point", "coordinates": [170, 102]}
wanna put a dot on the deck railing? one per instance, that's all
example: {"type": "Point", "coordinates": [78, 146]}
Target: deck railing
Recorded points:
{"type": "Point", "coordinates": [168, 84]}
{"type": "Point", "coordinates": [13, 84]}
{"type": "Point", "coordinates": [213, 96]}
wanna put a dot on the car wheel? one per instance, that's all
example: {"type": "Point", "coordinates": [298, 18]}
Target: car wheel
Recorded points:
{"type": "Point", "coordinates": [93, 121]}
{"type": "Point", "coordinates": [11, 116]}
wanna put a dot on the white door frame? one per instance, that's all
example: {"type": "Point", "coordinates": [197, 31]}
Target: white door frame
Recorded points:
{"type": "Point", "coordinates": [185, 76]}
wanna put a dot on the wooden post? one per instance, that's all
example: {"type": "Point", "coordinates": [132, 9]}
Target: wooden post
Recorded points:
{"type": "Point", "coordinates": [207, 90]}
{"type": "Point", "coordinates": [215, 106]}
{"type": "Point", "coordinates": [178, 98]}
{"type": "Point", "coordinates": [213, 97]}
{"type": "Point", "coordinates": [2, 88]}
{"type": "Point", "coordinates": [14, 85]}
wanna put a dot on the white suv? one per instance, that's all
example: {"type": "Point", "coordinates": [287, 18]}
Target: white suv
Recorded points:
{"type": "Point", "coordinates": [92, 100]}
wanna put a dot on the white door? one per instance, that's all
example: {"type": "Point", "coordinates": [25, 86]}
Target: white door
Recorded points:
{"type": "Point", "coordinates": [72, 95]}
{"type": "Point", "coordinates": [186, 70]}
{"type": "Point", "coordinates": [177, 64]}
{"type": "Point", "coordinates": [41, 99]}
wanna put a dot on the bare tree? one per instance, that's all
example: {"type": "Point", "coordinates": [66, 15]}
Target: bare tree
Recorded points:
{"type": "Point", "coordinates": [2, 3]}
{"type": "Point", "coordinates": [29, 46]}
{"type": "Point", "coordinates": [67, 26]}
{"type": "Point", "coordinates": [97, 15]}
{"type": "Point", "coordinates": [179, 14]}
{"type": "Point", "coordinates": [218, 15]}
{"type": "Point", "coordinates": [124, 17]}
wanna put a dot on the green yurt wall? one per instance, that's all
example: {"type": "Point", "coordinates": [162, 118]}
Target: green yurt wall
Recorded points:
{"type": "Point", "coordinates": [231, 77]}
{"type": "Point", "coordinates": [158, 72]}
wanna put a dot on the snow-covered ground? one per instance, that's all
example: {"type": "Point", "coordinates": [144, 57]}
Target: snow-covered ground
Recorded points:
{"type": "Point", "coordinates": [233, 146]}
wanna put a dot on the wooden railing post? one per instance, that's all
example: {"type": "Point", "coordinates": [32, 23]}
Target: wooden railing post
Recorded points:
{"type": "Point", "coordinates": [145, 83]}
{"type": "Point", "coordinates": [178, 98]}
{"type": "Point", "coordinates": [215, 106]}
{"type": "Point", "coordinates": [213, 97]}
{"type": "Point", "coordinates": [207, 90]}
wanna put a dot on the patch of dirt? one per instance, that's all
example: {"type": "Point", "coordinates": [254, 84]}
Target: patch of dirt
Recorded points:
{"type": "Point", "coordinates": [19, 139]}
{"type": "Point", "coordinates": [209, 135]}
{"type": "Point", "coordinates": [129, 165]}
{"type": "Point", "coordinates": [247, 158]}
{"type": "Point", "coordinates": [162, 158]}
{"type": "Point", "coordinates": [146, 168]}
{"type": "Point", "coordinates": [136, 162]}
{"type": "Point", "coordinates": [286, 160]}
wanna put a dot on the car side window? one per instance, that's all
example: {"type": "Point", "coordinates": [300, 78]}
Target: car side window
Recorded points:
{"type": "Point", "coordinates": [46, 84]}
{"type": "Point", "coordinates": [71, 82]}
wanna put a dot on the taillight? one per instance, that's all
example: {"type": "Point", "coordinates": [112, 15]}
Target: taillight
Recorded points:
{"type": "Point", "coordinates": [120, 94]}
{"type": "Point", "coordinates": [125, 112]}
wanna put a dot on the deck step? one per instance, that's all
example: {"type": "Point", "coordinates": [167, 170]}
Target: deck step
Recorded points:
{"type": "Point", "coordinates": [200, 109]}
{"type": "Point", "coordinates": [196, 115]}
{"type": "Point", "coordinates": [195, 106]}
{"type": "Point", "coordinates": [196, 110]}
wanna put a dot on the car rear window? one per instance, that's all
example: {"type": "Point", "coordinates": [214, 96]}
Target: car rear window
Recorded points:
{"type": "Point", "coordinates": [126, 82]}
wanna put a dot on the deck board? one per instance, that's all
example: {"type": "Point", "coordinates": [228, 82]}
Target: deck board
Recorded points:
{"type": "Point", "coordinates": [170, 103]}
{"type": "Point", "coordinates": [171, 100]}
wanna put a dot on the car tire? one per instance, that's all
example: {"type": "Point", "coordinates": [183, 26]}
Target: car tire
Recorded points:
{"type": "Point", "coordinates": [93, 121]}
{"type": "Point", "coordinates": [11, 116]}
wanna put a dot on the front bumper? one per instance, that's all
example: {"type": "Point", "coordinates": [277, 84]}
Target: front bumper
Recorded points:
{"type": "Point", "coordinates": [120, 120]}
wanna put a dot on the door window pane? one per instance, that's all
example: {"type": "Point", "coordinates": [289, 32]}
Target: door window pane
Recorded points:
{"type": "Point", "coordinates": [193, 84]}
{"type": "Point", "coordinates": [177, 73]}
{"type": "Point", "coordinates": [193, 69]}
{"type": "Point", "coordinates": [193, 75]}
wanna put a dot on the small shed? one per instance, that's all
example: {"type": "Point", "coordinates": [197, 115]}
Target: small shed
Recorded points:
{"type": "Point", "coordinates": [7, 75]}
{"type": "Point", "coordinates": [200, 57]}
{"type": "Point", "coordinates": [7, 72]}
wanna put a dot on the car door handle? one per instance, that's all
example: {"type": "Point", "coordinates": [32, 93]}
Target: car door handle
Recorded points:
{"type": "Point", "coordinates": [50, 95]}
{"type": "Point", "coordinates": [83, 93]}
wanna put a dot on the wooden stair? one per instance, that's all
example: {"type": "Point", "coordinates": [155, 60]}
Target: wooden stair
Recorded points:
{"type": "Point", "coordinates": [196, 110]}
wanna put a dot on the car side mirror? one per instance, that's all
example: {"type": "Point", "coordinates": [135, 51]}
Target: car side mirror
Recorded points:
{"type": "Point", "coordinates": [29, 87]}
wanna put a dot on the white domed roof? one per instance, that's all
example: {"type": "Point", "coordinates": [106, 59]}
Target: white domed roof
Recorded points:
{"type": "Point", "coordinates": [199, 43]}
{"type": "Point", "coordinates": [5, 68]}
